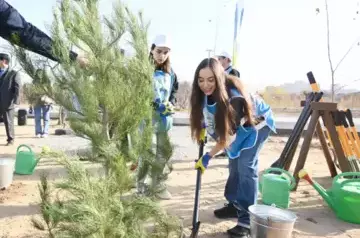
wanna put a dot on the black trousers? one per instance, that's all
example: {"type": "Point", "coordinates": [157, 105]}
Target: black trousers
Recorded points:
{"type": "Point", "coordinates": [8, 117]}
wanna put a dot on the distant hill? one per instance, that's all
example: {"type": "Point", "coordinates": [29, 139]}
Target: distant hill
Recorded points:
{"type": "Point", "coordinates": [301, 86]}
{"type": "Point", "coordinates": [296, 87]}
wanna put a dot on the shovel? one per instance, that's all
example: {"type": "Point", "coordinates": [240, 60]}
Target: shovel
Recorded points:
{"type": "Point", "coordinates": [298, 128]}
{"type": "Point", "coordinates": [196, 222]}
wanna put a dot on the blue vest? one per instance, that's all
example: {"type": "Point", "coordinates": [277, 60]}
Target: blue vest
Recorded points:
{"type": "Point", "coordinates": [245, 137]}
{"type": "Point", "coordinates": [163, 83]}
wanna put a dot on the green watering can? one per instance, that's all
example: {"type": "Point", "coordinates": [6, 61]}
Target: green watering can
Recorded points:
{"type": "Point", "coordinates": [276, 188]}
{"type": "Point", "coordinates": [343, 197]}
{"type": "Point", "coordinates": [25, 162]}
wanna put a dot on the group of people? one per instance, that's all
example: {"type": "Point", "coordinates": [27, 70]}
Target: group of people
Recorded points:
{"type": "Point", "coordinates": [10, 87]}
{"type": "Point", "coordinates": [238, 121]}
{"type": "Point", "coordinates": [14, 26]}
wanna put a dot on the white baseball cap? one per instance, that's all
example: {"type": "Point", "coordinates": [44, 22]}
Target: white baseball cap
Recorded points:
{"type": "Point", "coordinates": [225, 54]}
{"type": "Point", "coordinates": [162, 41]}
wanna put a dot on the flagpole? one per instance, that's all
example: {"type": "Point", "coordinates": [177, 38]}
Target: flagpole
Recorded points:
{"type": "Point", "coordinates": [236, 21]}
{"type": "Point", "coordinates": [217, 25]}
{"type": "Point", "coordinates": [239, 13]}
{"type": "Point", "coordinates": [209, 52]}
{"type": "Point", "coordinates": [220, 4]}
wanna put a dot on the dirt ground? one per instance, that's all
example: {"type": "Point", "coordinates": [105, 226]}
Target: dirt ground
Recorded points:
{"type": "Point", "coordinates": [19, 202]}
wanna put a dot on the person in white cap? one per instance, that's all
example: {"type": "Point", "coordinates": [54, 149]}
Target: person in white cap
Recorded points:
{"type": "Point", "coordinates": [225, 60]}
{"type": "Point", "coordinates": [165, 88]}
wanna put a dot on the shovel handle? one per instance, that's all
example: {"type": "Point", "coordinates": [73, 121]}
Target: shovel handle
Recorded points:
{"type": "Point", "coordinates": [196, 222]}
{"type": "Point", "coordinates": [348, 115]}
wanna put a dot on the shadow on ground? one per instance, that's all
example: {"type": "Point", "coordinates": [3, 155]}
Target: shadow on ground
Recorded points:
{"type": "Point", "coordinates": [310, 208]}
{"type": "Point", "coordinates": [21, 210]}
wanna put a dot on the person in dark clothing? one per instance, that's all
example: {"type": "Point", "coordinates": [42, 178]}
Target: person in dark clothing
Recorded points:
{"type": "Point", "coordinates": [15, 29]}
{"type": "Point", "coordinates": [9, 95]}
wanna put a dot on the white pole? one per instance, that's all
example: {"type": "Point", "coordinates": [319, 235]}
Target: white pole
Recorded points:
{"type": "Point", "coordinates": [216, 25]}
{"type": "Point", "coordinates": [209, 52]}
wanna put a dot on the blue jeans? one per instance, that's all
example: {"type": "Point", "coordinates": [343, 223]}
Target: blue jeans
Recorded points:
{"type": "Point", "coordinates": [242, 185]}
{"type": "Point", "coordinates": [43, 111]}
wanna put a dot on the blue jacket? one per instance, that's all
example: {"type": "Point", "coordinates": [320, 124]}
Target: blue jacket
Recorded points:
{"type": "Point", "coordinates": [165, 88]}
{"type": "Point", "coordinates": [245, 137]}
{"type": "Point", "coordinates": [15, 29]}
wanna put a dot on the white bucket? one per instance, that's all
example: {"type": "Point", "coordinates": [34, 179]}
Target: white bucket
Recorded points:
{"type": "Point", "coordinates": [6, 172]}
{"type": "Point", "coordinates": [271, 222]}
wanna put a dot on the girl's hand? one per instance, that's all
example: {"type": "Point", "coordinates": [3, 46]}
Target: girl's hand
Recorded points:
{"type": "Point", "coordinates": [203, 162]}
{"type": "Point", "coordinates": [166, 108]}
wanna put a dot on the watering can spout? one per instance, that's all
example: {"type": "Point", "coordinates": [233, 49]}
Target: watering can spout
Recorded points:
{"type": "Point", "coordinates": [34, 165]}
{"type": "Point", "coordinates": [323, 193]}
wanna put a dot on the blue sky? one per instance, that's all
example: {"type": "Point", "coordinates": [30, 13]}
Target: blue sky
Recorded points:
{"type": "Point", "coordinates": [280, 40]}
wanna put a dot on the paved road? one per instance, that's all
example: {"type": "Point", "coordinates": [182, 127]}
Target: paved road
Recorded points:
{"type": "Point", "coordinates": [283, 121]}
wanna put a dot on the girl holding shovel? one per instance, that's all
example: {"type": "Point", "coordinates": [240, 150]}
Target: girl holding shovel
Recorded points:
{"type": "Point", "coordinates": [240, 123]}
{"type": "Point", "coordinates": [165, 87]}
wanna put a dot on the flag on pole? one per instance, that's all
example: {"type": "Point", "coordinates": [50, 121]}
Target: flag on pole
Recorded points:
{"type": "Point", "coordinates": [239, 13]}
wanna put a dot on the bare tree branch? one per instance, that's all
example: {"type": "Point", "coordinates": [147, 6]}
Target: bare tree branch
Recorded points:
{"type": "Point", "coordinates": [347, 52]}
{"type": "Point", "coordinates": [329, 51]}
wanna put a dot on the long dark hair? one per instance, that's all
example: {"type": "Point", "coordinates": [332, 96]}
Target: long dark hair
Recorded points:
{"type": "Point", "coordinates": [166, 66]}
{"type": "Point", "coordinates": [225, 114]}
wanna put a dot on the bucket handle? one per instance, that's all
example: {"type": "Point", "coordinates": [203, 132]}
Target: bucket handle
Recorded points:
{"type": "Point", "coordinates": [292, 179]}
{"type": "Point", "coordinates": [26, 146]}
{"type": "Point", "coordinates": [237, 206]}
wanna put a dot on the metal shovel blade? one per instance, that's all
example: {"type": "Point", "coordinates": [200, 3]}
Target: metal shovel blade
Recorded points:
{"type": "Point", "coordinates": [195, 230]}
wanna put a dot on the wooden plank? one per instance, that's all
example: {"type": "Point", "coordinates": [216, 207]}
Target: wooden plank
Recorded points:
{"type": "Point", "coordinates": [302, 103]}
{"type": "Point", "coordinates": [324, 106]}
{"type": "Point", "coordinates": [330, 125]}
{"type": "Point", "coordinates": [306, 145]}
{"type": "Point", "coordinates": [326, 150]}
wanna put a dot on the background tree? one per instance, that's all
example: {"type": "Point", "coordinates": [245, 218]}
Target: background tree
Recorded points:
{"type": "Point", "coordinates": [334, 67]}
{"type": "Point", "coordinates": [183, 95]}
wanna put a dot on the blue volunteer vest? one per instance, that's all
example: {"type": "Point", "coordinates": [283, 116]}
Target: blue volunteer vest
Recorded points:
{"type": "Point", "coordinates": [162, 85]}
{"type": "Point", "coordinates": [245, 137]}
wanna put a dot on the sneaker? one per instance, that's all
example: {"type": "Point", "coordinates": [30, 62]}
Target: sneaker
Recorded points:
{"type": "Point", "coordinates": [160, 191]}
{"type": "Point", "coordinates": [44, 135]}
{"type": "Point", "coordinates": [222, 154]}
{"type": "Point", "coordinates": [228, 211]}
{"type": "Point", "coordinates": [164, 194]}
{"type": "Point", "coordinates": [239, 232]}
{"type": "Point", "coordinates": [38, 136]}
{"type": "Point", "coordinates": [142, 189]}
{"type": "Point", "coordinates": [9, 143]}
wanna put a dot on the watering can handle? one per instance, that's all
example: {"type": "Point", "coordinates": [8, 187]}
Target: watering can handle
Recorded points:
{"type": "Point", "coordinates": [357, 174]}
{"type": "Point", "coordinates": [20, 146]}
{"type": "Point", "coordinates": [292, 179]}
